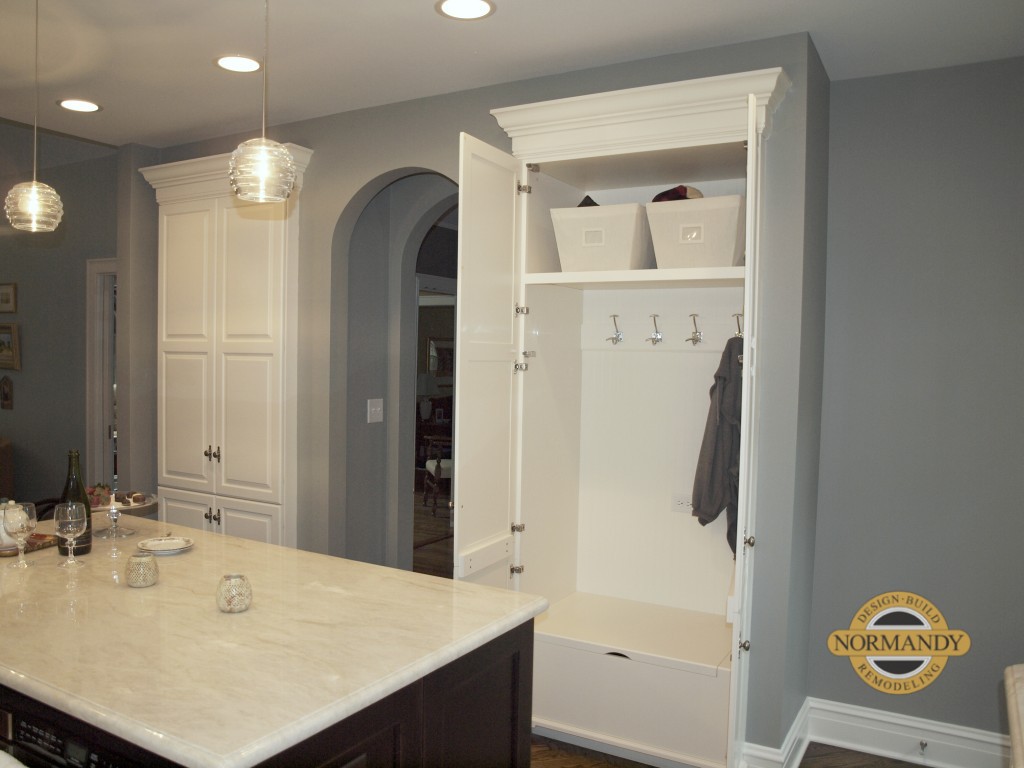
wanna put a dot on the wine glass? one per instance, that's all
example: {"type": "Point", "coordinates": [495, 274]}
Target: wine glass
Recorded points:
{"type": "Point", "coordinates": [19, 522]}
{"type": "Point", "coordinates": [69, 522]}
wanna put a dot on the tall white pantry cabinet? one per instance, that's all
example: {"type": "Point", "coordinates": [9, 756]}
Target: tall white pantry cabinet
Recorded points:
{"type": "Point", "coordinates": [226, 370]}
{"type": "Point", "coordinates": [574, 453]}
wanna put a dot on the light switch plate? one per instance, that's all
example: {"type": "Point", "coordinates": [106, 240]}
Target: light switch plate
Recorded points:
{"type": "Point", "coordinates": [374, 410]}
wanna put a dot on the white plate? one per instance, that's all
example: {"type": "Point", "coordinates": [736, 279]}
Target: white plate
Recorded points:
{"type": "Point", "coordinates": [166, 545]}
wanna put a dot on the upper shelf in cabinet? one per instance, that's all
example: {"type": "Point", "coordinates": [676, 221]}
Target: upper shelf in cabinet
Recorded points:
{"type": "Point", "coordinates": [707, 277]}
{"type": "Point", "coordinates": [666, 167]}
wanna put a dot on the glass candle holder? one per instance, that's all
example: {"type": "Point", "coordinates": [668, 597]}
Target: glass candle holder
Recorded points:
{"type": "Point", "coordinates": [234, 593]}
{"type": "Point", "coordinates": [141, 571]}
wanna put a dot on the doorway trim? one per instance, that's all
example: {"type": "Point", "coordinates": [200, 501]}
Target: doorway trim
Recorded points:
{"type": "Point", "coordinates": [99, 366]}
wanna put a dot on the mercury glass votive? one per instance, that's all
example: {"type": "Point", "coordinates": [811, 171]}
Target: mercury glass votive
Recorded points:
{"type": "Point", "coordinates": [234, 593]}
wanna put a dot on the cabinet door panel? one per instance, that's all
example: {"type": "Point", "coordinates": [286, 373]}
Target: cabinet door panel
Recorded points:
{"type": "Point", "coordinates": [249, 351]}
{"type": "Point", "coordinates": [251, 272]}
{"type": "Point", "coordinates": [184, 508]}
{"type": "Point", "coordinates": [484, 358]}
{"type": "Point", "coordinates": [186, 272]}
{"type": "Point", "coordinates": [249, 427]}
{"type": "Point", "coordinates": [185, 420]}
{"type": "Point", "coordinates": [250, 520]}
{"type": "Point", "coordinates": [185, 346]}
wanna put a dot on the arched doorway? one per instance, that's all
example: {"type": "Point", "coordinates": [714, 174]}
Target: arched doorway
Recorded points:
{"type": "Point", "coordinates": [373, 352]}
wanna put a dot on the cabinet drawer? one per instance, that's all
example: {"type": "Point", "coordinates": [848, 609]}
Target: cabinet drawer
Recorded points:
{"type": "Point", "coordinates": [672, 713]}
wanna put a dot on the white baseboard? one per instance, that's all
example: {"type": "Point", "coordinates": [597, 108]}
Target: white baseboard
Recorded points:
{"type": "Point", "coordinates": [887, 734]}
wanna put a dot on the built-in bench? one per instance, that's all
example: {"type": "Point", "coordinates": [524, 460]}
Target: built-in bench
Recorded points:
{"type": "Point", "coordinates": [640, 677]}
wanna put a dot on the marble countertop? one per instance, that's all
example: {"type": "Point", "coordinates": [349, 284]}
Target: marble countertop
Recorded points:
{"type": "Point", "coordinates": [163, 668]}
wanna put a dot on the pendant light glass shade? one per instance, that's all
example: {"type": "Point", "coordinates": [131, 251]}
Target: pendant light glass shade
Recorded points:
{"type": "Point", "coordinates": [261, 170]}
{"type": "Point", "coordinates": [33, 207]}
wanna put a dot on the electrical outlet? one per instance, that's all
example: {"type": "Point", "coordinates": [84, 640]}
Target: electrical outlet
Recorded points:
{"type": "Point", "coordinates": [681, 502]}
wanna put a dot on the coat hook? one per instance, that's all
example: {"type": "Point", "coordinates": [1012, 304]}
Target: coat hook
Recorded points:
{"type": "Point", "coordinates": [616, 337]}
{"type": "Point", "coordinates": [739, 324]}
{"type": "Point", "coordinates": [697, 336]}
{"type": "Point", "coordinates": [655, 337]}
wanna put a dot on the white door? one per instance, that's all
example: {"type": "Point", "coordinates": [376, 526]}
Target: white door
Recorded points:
{"type": "Point", "coordinates": [185, 346]}
{"type": "Point", "coordinates": [485, 355]}
{"type": "Point", "coordinates": [739, 608]}
{"type": "Point", "coordinates": [249, 329]}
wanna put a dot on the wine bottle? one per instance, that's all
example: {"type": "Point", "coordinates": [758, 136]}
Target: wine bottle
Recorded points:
{"type": "Point", "coordinates": [74, 490]}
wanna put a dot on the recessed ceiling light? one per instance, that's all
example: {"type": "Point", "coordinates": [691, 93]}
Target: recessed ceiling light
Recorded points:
{"type": "Point", "coordinates": [465, 9]}
{"type": "Point", "coordinates": [79, 105]}
{"type": "Point", "coordinates": [238, 63]}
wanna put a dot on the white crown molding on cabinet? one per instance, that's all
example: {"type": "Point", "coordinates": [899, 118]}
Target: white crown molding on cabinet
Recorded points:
{"type": "Point", "coordinates": [207, 176]}
{"type": "Point", "coordinates": [710, 110]}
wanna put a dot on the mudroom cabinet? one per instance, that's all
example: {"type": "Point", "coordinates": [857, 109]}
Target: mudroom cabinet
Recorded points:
{"type": "Point", "coordinates": [226, 371]}
{"type": "Point", "coordinates": [581, 404]}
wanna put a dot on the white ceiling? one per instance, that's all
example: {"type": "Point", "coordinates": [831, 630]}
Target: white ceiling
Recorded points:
{"type": "Point", "coordinates": [150, 62]}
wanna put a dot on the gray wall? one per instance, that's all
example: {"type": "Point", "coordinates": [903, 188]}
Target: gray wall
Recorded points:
{"type": "Point", "coordinates": [922, 465]}
{"type": "Point", "coordinates": [49, 268]}
{"type": "Point", "coordinates": [790, 358]}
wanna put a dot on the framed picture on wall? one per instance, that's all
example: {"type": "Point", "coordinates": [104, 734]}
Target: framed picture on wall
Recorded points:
{"type": "Point", "coordinates": [441, 357]}
{"type": "Point", "coordinates": [10, 355]}
{"type": "Point", "coordinates": [8, 297]}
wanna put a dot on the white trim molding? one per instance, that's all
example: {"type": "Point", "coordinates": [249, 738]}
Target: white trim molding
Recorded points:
{"type": "Point", "coordinates": [886, 734]}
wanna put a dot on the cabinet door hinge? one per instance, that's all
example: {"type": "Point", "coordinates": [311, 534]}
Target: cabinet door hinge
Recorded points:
{"type": "Point", "coordinates": [516, 569]}
{"type": "Point", "coordinates": [522, 310]}
{"type": "Point", "coordinates": [520, 367]}
{"type": "Point", "coordinates": [523, 189]}
{"type": "Point", "coordinates": [518, 527]}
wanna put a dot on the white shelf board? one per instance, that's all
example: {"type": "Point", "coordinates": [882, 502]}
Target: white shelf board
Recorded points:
{"type": "Point", "coordinates": [656, 634]}
{"type": "Point", "coordinates": [706, 277]}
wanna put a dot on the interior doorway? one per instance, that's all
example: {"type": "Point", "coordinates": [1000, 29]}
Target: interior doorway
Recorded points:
{"type": "Point", "coordinates": [436, 279]}
{"type": "Point", "coordinates": [373, 416]}
{"type": "Point", "coordinates": [101, 371]}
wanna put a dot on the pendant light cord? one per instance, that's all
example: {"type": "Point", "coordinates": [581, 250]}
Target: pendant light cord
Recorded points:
{"type": "Point", "coordinates": [35, 116]}
{"type": "Point", "coordinates": [266, 53]}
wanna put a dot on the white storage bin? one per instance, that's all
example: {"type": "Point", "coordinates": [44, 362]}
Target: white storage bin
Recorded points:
{"type": "Point", "coordinates": [706, 232]}
{"type": "Point", "coordinates": [605, 237]}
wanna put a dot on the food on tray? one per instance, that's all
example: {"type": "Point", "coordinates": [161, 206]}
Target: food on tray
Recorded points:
{"type": "Point", "coordinates": [130, 498]}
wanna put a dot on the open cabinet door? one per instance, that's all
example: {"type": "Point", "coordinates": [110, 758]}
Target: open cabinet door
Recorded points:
{"type": "Point", "coordinates": [484, 365]}
{"type": "Point", "coordinates": [739, 602]}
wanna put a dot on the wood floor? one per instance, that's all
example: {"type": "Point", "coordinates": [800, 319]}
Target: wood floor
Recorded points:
{"type": "Point", "coordinates": [432, 537]}
{"type": "Point", "coordinates": [546, 753]}
{"type": "Point", "coordinates": [432, 554]}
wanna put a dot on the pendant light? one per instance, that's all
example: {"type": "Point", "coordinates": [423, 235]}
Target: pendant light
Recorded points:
{"type": "Point", "coordinates": [261, 170]}
{"type": "Point", "coordinates": [34, 206]}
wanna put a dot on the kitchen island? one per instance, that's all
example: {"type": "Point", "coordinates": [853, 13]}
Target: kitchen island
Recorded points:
{"type": "Point", "coordinates": [334, 659]}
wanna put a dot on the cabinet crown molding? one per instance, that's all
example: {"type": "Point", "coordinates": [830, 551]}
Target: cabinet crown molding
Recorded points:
{"type": "Point", "coordinates": [708, 110]}
{"type": "Point", "coordinates": [207, 176]}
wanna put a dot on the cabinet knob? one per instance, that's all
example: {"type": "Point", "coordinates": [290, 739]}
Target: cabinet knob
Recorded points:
{"type": "Point", "coordinates": [745, 645]}
{"type": "Point", "coordinates": [209, 514]}
{"type": "Point", "coordinates": [208, 452]}
{"type": "Point", "coordinates": [216, 517]}
{"type": "Point", "coordinates": [216, 454]}
{"type": "Point", "coordinates": [749, 541]}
